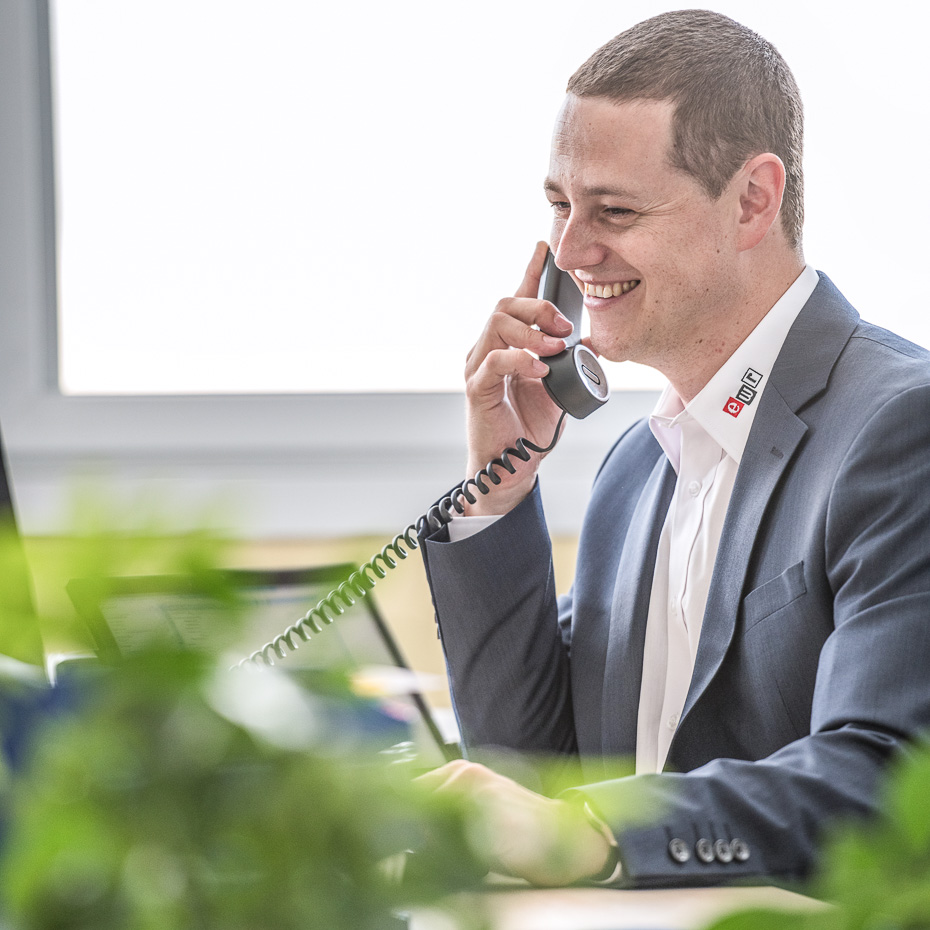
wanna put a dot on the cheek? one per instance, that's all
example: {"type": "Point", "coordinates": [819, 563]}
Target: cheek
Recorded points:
{"type": "Point", "coordinates": [555, 233]}
{"type": "Point", "coordinates": [692, 261]}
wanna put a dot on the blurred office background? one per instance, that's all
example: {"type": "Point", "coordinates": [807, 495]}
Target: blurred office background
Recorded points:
{"type": "Point", "coordinates": [246, 247]}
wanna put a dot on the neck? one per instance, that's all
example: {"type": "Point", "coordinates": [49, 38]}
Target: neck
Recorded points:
{"type": "Point", "coordinates": [760, 291]}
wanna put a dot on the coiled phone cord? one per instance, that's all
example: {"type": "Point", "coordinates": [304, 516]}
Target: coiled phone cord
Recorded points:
{"type": "Point", "coordinates": [361, 581]}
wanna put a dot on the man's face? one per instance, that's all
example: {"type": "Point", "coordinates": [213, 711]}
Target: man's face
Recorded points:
{"type": "Point", "coordinates": [626, 219]}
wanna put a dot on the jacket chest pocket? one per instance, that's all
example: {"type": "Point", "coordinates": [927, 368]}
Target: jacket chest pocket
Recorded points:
{"type": "Point", "coordinates": [772, 596]}
{"type": "Point", "coordinates": [785, 652]}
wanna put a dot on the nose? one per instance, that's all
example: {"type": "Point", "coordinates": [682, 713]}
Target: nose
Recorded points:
{"type": "Point", "coordinates": [575, 244]}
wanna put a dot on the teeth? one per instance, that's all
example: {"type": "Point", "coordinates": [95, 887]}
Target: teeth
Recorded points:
{"type": "Point", "coordinates": [609, 290]}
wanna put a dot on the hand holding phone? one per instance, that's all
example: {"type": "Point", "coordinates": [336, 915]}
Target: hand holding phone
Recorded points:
{"type": "Point", "coordinates": [505, 395]}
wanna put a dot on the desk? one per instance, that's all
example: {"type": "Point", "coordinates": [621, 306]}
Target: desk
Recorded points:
{"type": "Point", "coordinates": [610, 909]}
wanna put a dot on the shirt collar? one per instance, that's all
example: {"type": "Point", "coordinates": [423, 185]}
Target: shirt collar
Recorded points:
{"type": "Point", "coordinates": [726, 406]}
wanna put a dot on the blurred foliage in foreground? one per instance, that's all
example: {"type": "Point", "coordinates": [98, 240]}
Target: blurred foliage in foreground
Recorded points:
{"type": "Point", "coordinates": [134, 537]}
{"type": "Point", "coordinates": [876, 874]}
{"type": "Point", "coordinates": [150, 808]}
{"type": "Point", "coordinates": [165, 791]}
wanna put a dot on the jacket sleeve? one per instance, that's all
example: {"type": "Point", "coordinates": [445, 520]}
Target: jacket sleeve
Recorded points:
{"type": "Point", "coordinates": [496, 607]}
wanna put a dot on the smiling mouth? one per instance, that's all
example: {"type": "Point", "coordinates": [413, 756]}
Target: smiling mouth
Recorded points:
{"type": "Point", "coordinates": [609, 290]}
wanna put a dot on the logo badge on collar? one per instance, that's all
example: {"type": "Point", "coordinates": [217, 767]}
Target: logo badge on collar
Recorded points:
{"type": "Point", "coordinates": [746, 393]}
{"type": "Point", "coordinates": [733, 407]}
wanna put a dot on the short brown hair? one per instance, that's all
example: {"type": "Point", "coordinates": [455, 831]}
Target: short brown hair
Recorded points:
{"type": "Point", "coordinates": [734, 97]}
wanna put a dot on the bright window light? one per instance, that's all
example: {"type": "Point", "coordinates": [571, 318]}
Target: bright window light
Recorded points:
{"type": "Point", "coordinates": [309, 197]}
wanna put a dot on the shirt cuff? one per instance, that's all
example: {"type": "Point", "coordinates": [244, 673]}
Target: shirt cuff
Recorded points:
{"type": "Point", "coordinates": [461, 527]}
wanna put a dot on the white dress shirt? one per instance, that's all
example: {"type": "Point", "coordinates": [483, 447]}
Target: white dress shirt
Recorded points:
{"type": "Point", "coordinates": [704, 442]}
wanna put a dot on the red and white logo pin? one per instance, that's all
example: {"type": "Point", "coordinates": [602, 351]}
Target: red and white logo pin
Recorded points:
{"type": "Point", "coordinates": [733, 407]}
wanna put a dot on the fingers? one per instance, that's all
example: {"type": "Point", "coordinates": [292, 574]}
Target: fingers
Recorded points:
{"type": "Point", "coordinates": [526, 306]}
{"type": "Point", "coordinates": [511, 326]}
{"type": "Point", "coordinates": [437, 777]}
{"type": "Point", "coordinates": [533, 312]}
{"type": "Point", "coordinates": [485, 384]}
{"type": "Point", "coordinates": [529, 286]}
{"type": "Point", "coordinates": [474, 780]}
{"type": "Point", "coordinates": [458, 773]}
{"type": "Point", "coordinates": [522, 322]}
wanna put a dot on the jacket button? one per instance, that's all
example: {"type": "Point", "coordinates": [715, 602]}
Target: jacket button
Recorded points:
{"type": "Point", "coordinates": [722, 851]}
{"type": "Point", "coordinates": [678, 850]}
{"type": "Point", "coordinates": [740, 850]}
{"type": "Point", "coordinates": [704, 850]}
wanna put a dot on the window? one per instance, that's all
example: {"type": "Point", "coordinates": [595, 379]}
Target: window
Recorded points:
{"type": "Point", "coordinates": [317, 199]}
{"type": "Point", "coordinates": [330, 197]}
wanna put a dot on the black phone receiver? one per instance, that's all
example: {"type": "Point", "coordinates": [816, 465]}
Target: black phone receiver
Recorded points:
{"type": "Point", "coordinates": [576, 381]}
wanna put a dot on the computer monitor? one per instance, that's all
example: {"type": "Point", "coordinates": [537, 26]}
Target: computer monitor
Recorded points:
{"type": "Point", "coordinates": [125, 613]}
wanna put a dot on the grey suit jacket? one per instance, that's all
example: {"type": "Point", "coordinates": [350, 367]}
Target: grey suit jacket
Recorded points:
{"type": "Point", "coordinates": [814, 661]}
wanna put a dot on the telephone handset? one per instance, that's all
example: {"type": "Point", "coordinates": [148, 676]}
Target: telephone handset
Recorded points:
{"type": "Point", "coordinates": [575, 382]}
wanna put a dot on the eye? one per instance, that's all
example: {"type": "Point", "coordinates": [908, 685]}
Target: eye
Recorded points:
{"type": "Point", "coordinates": [618, 211]}
{"type": "Point", "coordinates": [560, 207]}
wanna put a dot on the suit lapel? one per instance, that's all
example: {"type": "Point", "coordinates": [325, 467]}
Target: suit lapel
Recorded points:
{"type": "Point", "coordinates": [801, 372]}
{"type": "Point", "coordinates": [629, 610]}
{"type": "Point", "coordinates": [766, 457]}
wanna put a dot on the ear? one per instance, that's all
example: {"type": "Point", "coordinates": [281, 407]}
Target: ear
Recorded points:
{"type": "Point", "coordinates": [761, 183]}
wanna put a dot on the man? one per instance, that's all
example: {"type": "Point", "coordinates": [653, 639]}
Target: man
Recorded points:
{"type": "Point", "coordinates": [750, 616]}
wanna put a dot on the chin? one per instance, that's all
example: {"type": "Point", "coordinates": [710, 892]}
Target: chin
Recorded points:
{"type": "Point", "coordinates": [610, 350]}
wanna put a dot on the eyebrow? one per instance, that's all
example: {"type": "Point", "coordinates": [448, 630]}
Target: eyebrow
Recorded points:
{"type": "Point", "coordinates": [550, 186]}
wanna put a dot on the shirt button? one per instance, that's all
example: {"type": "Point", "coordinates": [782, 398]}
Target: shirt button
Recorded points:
{"type": "Point", "coordinates": [673, 604]}
{"type": "Point", "coordinates": [672, 722]}
{"type": "Point", "coordinates": [694, 488]}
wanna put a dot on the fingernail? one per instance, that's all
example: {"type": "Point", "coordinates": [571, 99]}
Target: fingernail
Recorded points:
{"type": "Point", "coordinates": [555, 341]}
{"type": "Point", "coordinates": [563, 323]}
{"type": "Point", "coordinates": [540, 367]}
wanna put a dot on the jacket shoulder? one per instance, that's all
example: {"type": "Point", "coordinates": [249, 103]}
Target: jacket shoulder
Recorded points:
{"type": "Point", "coordinates": [869, 339]}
